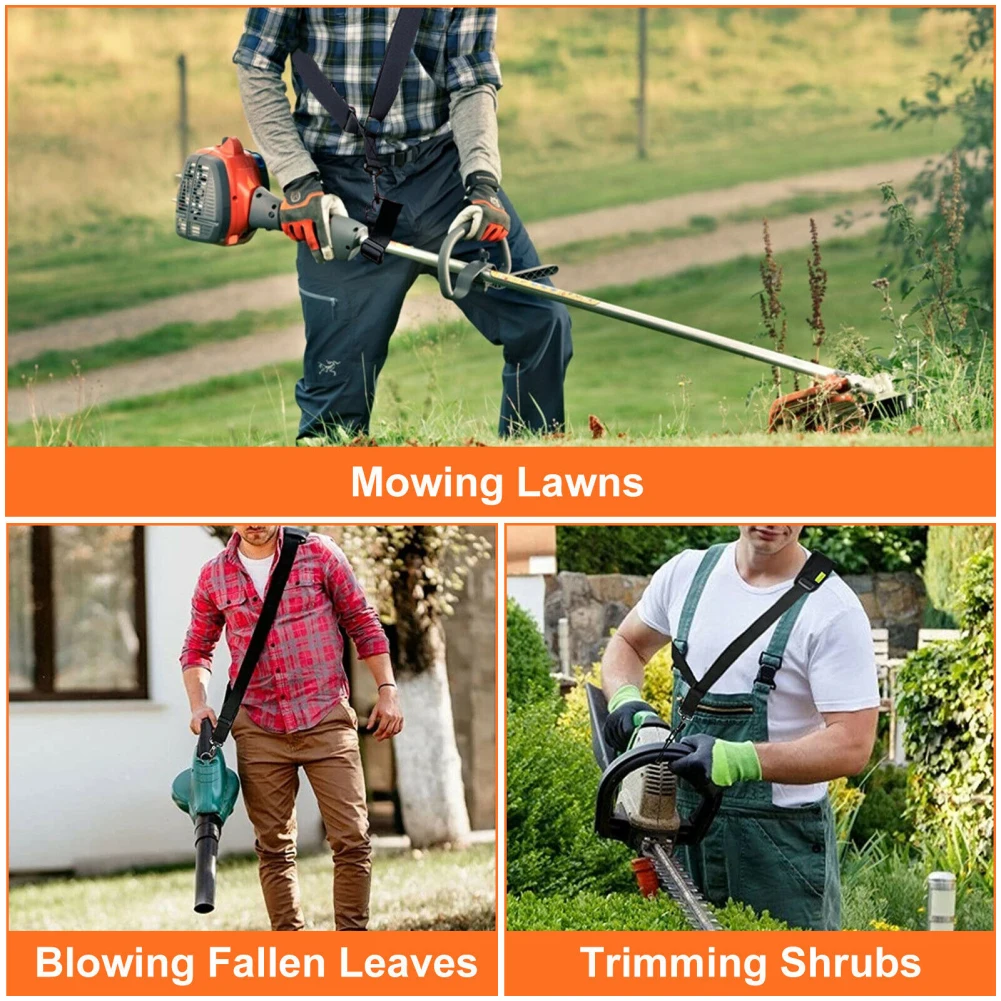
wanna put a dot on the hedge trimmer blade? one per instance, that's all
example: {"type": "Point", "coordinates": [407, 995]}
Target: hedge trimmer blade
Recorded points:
{"type": "Point", "coordinates": [678, 885]}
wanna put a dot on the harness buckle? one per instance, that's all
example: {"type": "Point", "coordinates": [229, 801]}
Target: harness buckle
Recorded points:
{"type": "Point", "coordinates": [768, 666]}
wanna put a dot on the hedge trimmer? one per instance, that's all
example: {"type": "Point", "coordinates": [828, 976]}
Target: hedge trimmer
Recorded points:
{"type": "Point", "coordinates": [637, 804]}
{"type": "Point", "coordinates": [223, 198]}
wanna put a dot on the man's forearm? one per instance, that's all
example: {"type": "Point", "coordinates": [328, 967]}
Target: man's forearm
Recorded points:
{"type": "Point", "coordinates": [381, 669]}
{"type": "Point", "coordinates": [621, 665]}
{"type": "Point", "coordinates": [473, 114]}
{"type": "Point", "coordinates": [821, 756]}
{"type": "Point", "coordinates": [266, 106]}
{"type": "Point", "coordinates": [196, 684]}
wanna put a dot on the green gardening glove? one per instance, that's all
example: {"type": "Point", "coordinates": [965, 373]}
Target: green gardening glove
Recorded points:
{"type": "Point", "coordinates": [701, 759]}
{"type": "Point", "coordinates": [626, 712]}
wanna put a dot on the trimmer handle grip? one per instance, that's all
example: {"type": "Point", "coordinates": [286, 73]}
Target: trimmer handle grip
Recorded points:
{"type": "Point", "coordinates": [608, 824]}
{"type": "Point", "coordinates": [468, 274]}
{"type": "Point", "coordinates": [206, 749]}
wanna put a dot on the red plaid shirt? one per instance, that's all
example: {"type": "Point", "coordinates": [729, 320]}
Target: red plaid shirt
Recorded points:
{"type": "Point", "coordinates": [300, 676]}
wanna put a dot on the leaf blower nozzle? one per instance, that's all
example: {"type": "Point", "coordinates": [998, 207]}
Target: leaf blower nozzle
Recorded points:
{"type": "Point", "coordinates": [207, 792]}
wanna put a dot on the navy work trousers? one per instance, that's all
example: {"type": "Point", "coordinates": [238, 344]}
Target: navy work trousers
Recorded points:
{"type": "Point", "coordinates": [351, 308]}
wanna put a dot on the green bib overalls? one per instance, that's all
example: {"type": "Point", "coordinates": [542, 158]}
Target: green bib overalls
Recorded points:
{"type": "Point", "coordinates": [783, 860]}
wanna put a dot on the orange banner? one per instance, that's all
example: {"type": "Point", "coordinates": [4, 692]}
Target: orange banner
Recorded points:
{"type": "Point", "coordinates": [735, 963]}
{"type": "Point", "coordinates": [251, 963]}
{"type": "Point", "coordinates": [777, 483]}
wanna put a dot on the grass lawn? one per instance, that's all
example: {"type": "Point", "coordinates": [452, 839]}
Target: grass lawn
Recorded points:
{"type": "Point", "coordinates": [733, 95]}
{"type": "Point", "coordinates": [443, 384]}
{"type": "Point", "coordinates": [429, 891]}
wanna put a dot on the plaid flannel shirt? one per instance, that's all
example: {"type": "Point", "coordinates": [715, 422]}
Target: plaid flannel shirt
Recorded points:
{"type": "Point", "coordinates": [300, 676]}
{"type": "Point", "coordinates": [454, 49]}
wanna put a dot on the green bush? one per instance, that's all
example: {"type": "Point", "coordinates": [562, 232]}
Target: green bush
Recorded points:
{"type": "Point", "coordinates": [642, 549]}
{"type": "Point", "coordinates": [631, 549]}
{"type": "Point", "coordinates": [949, 547]}
{"type": "Point", "coordinates": [945, 696]}
{"type": "Point", "coordinates": [528, 660]}
{"type": "Point", "coordinates": [884, 808]}
{"type": "Point", "coordinates": [869, 548]}
{"type": "Point", "coordinates": [552, 783]}
{"type": "Point", "coordinates": [619, 912]}
{"type": "Point", "coordinates": [884, 886]}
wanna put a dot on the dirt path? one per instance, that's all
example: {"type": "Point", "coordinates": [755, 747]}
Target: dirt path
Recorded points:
{"type": "Point", "coordinates": [224, 302]}
{"type": "Point", "coordinates": [260, 350]}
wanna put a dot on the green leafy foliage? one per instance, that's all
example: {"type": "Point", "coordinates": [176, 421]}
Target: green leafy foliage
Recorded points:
{"type": "Point", "coordinates": [883, 809]}
{"type": "Point", "coordinates": [528, 660]}
{"type": "Point", "coordinates": [869, 548]}
{"type": "Point", "coordinates": [552, 781]}
{"type": "Point", "coordinates": [966, 94]}
{"type": "Point", "coordinates": [945, 695]}
{"type": "Point", "coordinates": [949, 547]}
{"type": "Point", "coordinates": [641, 549]}
{"type": "Point", "coordinates": [590, 911]}
{"type": "Point", "coordinates": [631, 549]}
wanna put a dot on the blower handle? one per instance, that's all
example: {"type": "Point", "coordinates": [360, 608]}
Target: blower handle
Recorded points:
{"type": "Point", "coordinates": [468, 274]}
{"type": "Point", "coordinates": [206, 749]}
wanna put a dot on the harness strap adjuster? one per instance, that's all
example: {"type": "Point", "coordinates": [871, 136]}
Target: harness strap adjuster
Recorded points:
{"type": "Point", "coordinates": [769, 665]}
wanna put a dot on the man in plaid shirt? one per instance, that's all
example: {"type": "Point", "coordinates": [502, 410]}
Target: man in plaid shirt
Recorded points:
{"type": "Point", "coordinates": [439, 157]}
{"type": "Point", "coordinates": [296, 711]}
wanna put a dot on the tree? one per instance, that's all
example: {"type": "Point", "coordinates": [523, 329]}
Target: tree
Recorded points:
{"type": "Point", "coordinates": [415, 573]}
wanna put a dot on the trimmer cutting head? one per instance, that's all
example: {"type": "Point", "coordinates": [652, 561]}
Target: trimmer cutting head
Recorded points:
{"type": "Point", "coordinates": [838, 403]}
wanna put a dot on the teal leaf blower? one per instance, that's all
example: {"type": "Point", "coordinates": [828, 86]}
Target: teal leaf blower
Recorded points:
{"type": "Point", "coordinates": [207, 792]}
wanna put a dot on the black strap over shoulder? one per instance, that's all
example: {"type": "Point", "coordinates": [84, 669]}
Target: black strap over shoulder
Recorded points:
{"type": "Point", "coordinates": [387, 84]}
{"type": "Point", "coordinates": [815, 571]}
{"type": "Point", "coordinates": [382, 213]}
{"type": "Point", "coordinates": [292, 538]}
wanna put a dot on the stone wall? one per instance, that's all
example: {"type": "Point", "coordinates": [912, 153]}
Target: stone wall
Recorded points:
{"type": "Point", "coordinates": [595, 605]}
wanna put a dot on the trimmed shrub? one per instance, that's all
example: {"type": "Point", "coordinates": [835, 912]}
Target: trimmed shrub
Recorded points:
{"type": "Point", "coordinates": [620, 912]}
{"type": "Point", "coordinates": [528, 660]}
{"type": "Point", "coordinates": [884, 806]}
{"type": "Point", "coordinates": [552, 783]}
{"type": "Point", "coordinates": [945, 696]}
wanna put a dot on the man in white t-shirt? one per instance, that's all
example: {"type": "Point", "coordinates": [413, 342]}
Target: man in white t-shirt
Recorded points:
{"type": "Point", "coordinates": [795, 710]}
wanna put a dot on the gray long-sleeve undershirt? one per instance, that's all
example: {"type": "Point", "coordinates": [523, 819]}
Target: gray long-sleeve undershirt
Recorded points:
{"type": "Point", "coordinates": [472, 113]}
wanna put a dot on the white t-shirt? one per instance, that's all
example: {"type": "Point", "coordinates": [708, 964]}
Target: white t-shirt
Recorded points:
{"type": "Point", "coordinates": [258, 570]}
{"type": "Point", "coordinates": [829, 664]}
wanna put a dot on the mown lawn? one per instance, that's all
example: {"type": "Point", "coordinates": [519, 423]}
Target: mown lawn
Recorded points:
{"type": "Point", "coordinates": [443, 384]}
{"type": "Point", "coordinates": [734, 95]}
{"type": "Point", "coordinates": [418, 891]}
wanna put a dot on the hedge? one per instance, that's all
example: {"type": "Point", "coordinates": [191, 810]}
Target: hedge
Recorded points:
{"type": "Point", "coordinates": [641, 549]}
{"type": "Point", "coordinates": [949, 548]}
{"type": "Point", "coordinates": [528, 660]}
{"type": "Point", "coordinates": [945, 696]}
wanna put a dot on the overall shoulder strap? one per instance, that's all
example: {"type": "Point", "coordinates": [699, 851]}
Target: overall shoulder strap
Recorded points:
{"type": "Point", "coordinates": [292, 538]}
{"type": "Point", "coordinates": [679, 642]}
{"type": "Point", "coordinates": [816, 570]}
{"type": "Point", "coordinates": [387, 84]}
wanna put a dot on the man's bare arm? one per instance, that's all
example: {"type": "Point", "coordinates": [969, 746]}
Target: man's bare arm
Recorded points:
{"type": "Point", "coordinates": [196, 684]}
{"type": "Point", "coordinates": [628, 653]}
{"type": "Point", "coordinates": [842, 748]}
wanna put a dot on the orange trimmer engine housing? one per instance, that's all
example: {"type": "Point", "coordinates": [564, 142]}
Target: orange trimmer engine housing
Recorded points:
{"type": "Point", "coordinates": [220, 187]}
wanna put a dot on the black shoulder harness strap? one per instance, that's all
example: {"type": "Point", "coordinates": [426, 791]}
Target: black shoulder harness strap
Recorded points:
{"type": "Point", "coordinates": [815, 571]}
{"type": "Point", "coordinates": [292, 538]}
{"type": "Point", "coordinates": [383, 213]}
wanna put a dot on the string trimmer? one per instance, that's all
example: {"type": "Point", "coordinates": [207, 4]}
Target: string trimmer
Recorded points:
{"type": "Point", "coordinates": [224, 198]}
{"type": "Point", "coordinates": [637, 804]}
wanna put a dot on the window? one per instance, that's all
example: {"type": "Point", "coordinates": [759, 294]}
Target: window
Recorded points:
{"type": "Point", "coordinates": [77, 612]}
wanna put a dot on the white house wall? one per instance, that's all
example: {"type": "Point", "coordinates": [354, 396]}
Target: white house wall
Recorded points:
{"type": "Point", "coordinates": [90, 781]}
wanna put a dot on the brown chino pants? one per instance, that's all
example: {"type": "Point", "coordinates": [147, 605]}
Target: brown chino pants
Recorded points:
{"type": "Point", "coordinates": [268, 764]}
